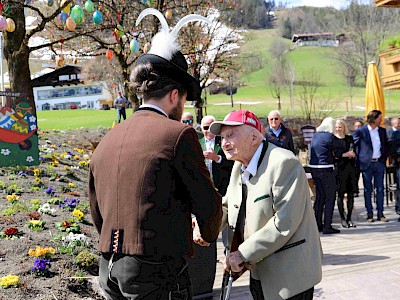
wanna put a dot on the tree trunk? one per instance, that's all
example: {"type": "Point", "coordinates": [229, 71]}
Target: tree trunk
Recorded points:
{"type": "Point", "coordinates": [17, 55]}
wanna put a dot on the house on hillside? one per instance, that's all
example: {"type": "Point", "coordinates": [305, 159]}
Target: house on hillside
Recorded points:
{"type": "Point", "coordinates": [64, 88]}
{"type": "Point", "coordinates": [325, 39]}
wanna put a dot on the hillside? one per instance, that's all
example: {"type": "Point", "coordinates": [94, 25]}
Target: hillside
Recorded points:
{"type": "Point", "coordinates": [324, 60]}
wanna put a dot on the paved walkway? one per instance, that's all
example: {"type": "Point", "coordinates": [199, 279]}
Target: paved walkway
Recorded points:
{"type": "Point", "coordinates": [361, 263]}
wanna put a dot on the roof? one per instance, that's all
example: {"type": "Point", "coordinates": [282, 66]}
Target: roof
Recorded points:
{"type": "Point", "coordinates": [314, 35]}
{"type": "Point", "coordinates": [66, 75]}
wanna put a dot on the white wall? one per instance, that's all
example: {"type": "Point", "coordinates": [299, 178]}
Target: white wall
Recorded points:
{"type": "Point", "coordinates": [84, 95]}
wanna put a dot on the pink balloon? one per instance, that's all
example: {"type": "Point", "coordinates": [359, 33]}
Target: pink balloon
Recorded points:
{"type": "Point", "coordinates": [3, 23]}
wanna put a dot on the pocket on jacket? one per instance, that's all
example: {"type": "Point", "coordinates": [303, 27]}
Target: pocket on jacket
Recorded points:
{"type": "Point", "coordinates": [266, 196]}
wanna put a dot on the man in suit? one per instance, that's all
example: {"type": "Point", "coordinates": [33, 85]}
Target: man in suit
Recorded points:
{"type": "Point", "coordinates": [219, 167]}
{"type": "Point", "coordinates": [372, 149]}
{"type": "Point", "coordinates": [147, 177]}
{"type": "Point", "coordinates": [276, 133]}
{"type": "Point", "coordinates": [268, 211]}
{"type": "Point", "coordinates": [393, 135]}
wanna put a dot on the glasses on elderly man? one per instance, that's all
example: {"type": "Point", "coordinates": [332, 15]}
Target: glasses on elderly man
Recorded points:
{"type": "Point", "coordinates": [187, 121]}
{"type": "Point", "coordinates": [206, 127]}
{"type": "Point", "coordinates": [276, 119]}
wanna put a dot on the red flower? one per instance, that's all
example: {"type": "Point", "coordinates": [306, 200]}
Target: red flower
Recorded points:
{"type": "Point", "coordinates": [11, 231]}
{"type": "Point", "coordinates": [66, 224]}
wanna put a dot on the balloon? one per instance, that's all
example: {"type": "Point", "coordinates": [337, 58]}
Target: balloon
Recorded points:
{"type": "Point", "coordinates": [89, 6]}
{"type": "Point", "coordinates": [143, 1]}
{"type": "Point", "coordinates": [97, 17]}
{"type": "Point", "coordinates": [63, 16]}
{"type": "Point", "coordinates": [146, 47]}
{"type": "Point", "coordinates": [109, 54]}
{"type": "Point", "coordinates": [60, 61]}
{"type": "Point", "coordinates": [77, 14]}
{"type": "Point", "coordinates": [50, 2]}
{"type": "Point", "coordinates": [71, 25]}
{"type": "Point", "coordinates": [66, 9]}
{"type": "Point", "coordinates": [134, 45]}
{"type": "Point", "coordinates": [168, 14]}
{"type": "Point", "coordinates": [119, 33]}
{"type": "Point", "coordinates": [10, 25]}
{"type": "Point", "coordinates": [3, 23]}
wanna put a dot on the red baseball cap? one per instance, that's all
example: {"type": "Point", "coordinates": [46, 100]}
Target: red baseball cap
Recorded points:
{"type": "Point", "coordinates": [236, 118]}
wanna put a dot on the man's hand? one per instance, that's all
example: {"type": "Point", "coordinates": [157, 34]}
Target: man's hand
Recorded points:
{"type": "Point", "coordinates": [234, 262]}
{"type": "Point", "coordinates": [211, 155]}
{"type": "Point", "coordinates": [197, 235]}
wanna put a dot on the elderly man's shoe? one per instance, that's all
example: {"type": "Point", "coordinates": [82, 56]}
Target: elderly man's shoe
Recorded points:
{"type": "Point", "coordinates": [370, 219]}
{"type": "Point", "coordinates": [383, 219]}
{"type": "Point", "coordinates": [330, 230]}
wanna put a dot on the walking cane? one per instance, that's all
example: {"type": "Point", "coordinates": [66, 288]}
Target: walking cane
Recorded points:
{"type": "Point", "coordinates": [226, 286]}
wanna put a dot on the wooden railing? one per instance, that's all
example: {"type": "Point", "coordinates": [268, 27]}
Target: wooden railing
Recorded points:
{"type": "Point", "coordinates": [390, 65]}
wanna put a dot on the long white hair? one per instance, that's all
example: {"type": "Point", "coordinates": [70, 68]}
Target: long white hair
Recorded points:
{"type": "Point", "coordinates": [328, 125]}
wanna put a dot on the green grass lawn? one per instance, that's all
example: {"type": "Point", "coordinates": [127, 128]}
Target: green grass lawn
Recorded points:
{"type": "Point", "coordinates": [77, 118]}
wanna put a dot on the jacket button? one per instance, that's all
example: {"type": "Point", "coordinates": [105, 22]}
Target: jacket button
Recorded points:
{"type": "Point", "coordinates": [236, 206]}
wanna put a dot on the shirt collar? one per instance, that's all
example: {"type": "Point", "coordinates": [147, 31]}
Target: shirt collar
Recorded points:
{"type": "Point", "coordinates": [252, 167]}
{"type": "Point", "coordinates": [155, 107]}
{"type": "Point", "coordinates": [278, 131]}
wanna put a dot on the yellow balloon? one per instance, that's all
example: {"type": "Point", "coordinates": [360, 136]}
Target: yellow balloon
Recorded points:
{"type": "Point", "coordinates": [10, 25]}
{"type": "Point", "coordinates": [66, 9]}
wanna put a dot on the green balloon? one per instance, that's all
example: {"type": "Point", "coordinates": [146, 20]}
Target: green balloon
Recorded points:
{"type": "Point", "coordinates": [77, 14]}
{"type": "Point", "coordinates": [89, 6]}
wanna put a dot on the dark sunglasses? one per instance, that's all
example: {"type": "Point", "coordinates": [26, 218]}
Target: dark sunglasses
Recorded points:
{"type": "Point", "coordinates": [206, 127]}
{"type": "Point", "coordinates": [276, 119]}
{"type": "Point", "coordinates": [187, 121]}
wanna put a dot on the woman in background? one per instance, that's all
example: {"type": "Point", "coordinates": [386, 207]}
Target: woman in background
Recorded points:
{"type": "Point", "coordinates": [346, 175]}
{"type": "Point", "coordinates": [324, 148]}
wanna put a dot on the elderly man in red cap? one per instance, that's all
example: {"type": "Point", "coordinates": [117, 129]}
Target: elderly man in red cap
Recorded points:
{"type": "Point", "coordinates": [272, 228]}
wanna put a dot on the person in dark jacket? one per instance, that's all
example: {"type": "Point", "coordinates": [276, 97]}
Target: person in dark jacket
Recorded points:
{"type": "Point", "coordinates": [372, 149]}
{"type": "Point", "coordinates": [324, 148]}
{"type": "Point", "coordinates": [346, 175]}
{"type": "Point", "coordinates": [393, 135]}
{"type": "Point", "coordinates": [276, 133]}
{"type": "Point", "coordinates": [142, 197]}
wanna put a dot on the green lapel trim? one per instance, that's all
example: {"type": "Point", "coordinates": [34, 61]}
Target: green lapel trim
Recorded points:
{"type": "Point", "coordinates": [262, 198]}
{"type": "Point", "coordinates": [217, 147]}
{"type": "Point", "coordinates": [203, 143]}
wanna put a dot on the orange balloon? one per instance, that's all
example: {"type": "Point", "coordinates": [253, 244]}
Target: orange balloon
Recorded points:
{"type": "Point", "coordinates": [109, 54]}
{"type": "Point", "coordinates": [71, 25]}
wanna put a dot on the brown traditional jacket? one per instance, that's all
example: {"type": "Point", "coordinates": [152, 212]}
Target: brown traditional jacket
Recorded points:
{"type": "Point", "coordinates": [147, 176]}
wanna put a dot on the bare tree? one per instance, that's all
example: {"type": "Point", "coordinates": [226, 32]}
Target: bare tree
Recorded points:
{"type": "Point", "coordinates": [367, 26]}
{"type": "Point", "coordinates": [309, 84]}
{"type": "Point", "coordinates": [278, 78]}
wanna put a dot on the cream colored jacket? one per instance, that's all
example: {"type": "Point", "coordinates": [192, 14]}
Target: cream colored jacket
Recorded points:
{"type": "Point", "coordinates": [283, 242]}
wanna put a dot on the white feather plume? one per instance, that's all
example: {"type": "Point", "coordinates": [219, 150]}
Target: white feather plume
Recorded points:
{"type": "Point", "coordinates": [187, 19]}
{"type": "Point", "coordinates": [154, 12]}
{"type": "Point", "coordinates": [164, 44]}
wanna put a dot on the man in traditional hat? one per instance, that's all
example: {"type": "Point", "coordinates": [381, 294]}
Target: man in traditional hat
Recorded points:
{"type": "Point", "coordinates": [269, 213]}
{"type": "Point", "coordinates": [143, 194]}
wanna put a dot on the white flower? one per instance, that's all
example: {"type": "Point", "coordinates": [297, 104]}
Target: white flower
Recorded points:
{"type": "Point", "coordinates": [32, 119]}
{"type": "Point", "coordinates": [33, 127]}
{"type": "Point", "coordinates": [67, 156]}
{"type": "Point", "coordinates": [46, 209]}
{"type": "Point", "coordinates": [72, 237]}
{"type": "Point", "coordinates": [29, 159]}
{"type": "Point", "coordinates": [5, 151]}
